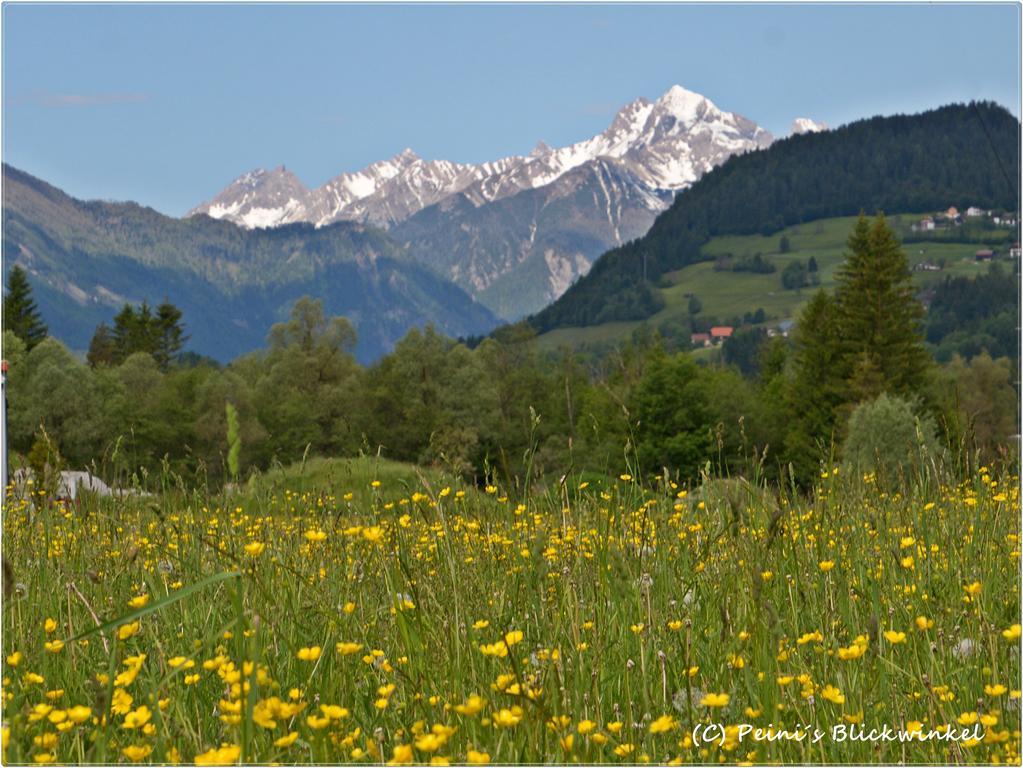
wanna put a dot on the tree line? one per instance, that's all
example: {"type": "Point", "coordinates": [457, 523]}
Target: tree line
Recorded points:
{"type": "Point", "coordinates": [854, 377]}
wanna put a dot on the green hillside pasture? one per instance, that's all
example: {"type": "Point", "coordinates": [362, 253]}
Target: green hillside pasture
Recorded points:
{"type": "Point", "coordinates": [726, 295]}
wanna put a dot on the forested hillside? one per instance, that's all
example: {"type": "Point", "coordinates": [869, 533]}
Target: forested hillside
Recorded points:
{"type": "Point", "coordinates": [959, 155]}
{"type": "Point", "coordinates": [967, 316]}
{"type": "Point", "coordinates": [87, 259]}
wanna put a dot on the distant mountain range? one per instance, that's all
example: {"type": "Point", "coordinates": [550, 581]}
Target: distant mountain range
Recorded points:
{"type": "Point", "coordinates": [402, 243]}
{"type": "Point", "coordinates": [522, 230]}
{"type": "Point", "coordinates": [516, 232]}
{"type": "Point", "coordinates": [86, 259]}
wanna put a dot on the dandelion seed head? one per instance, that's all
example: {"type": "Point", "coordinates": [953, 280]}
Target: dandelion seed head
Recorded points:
{"type": "Point", "coordinates": [964, 649]}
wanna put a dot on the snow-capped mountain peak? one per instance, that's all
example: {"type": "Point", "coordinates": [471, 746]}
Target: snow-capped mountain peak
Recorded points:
{"type": "Point", "coordinates": [806, 125]}
{"type": "Point", "coordinates": [685, 135]}
{"type": "Point", "coordinates": [684, 104]}
{"type": "Point", "coordinates": [629, 120]}
{"type": "Point", "coordinates": [260, 198]}
{"type": "Point", "coordinates": [664, 145]}
{"type": "Point", "coordinates": [540, 149]}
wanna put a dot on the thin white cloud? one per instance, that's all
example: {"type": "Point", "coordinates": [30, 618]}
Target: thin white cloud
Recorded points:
{"type": "Point", "coordinates": [48, 99]}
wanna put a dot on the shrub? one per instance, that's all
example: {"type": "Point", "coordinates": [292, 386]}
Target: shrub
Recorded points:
{"type": "Point", "coordinates": [887, 438]}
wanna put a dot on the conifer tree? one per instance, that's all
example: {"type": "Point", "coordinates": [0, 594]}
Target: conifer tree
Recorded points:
{"type": "Point", "coordinates": [102, 348]}
{"type": "Point", "coordinates": [146, 334]}
{"type": "Point", "coordinates": [161, 335]}
{"type": "Point", "coordinates": [20, 314]}
{"type": "Point", "coordinates": [170, 334]}
{"type": "Point", "coordinates": [880, 341]}
{"type": "Point", "coordinates": [125, 332]}
{"type": "Point", "coordinates": [816, 390]}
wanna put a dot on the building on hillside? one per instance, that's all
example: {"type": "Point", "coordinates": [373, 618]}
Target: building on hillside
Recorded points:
{"type": "Point", "coordinates": [973, 212]}
{"type": "Point", "coordinates": [984, 254]}
{"type": "Point", "coordinates": [720, 332]}
{"type": "Point", "coordinates": [926, 266]}
{"type": "Point", "coordinates": [786, 326]}
{"type": "Point", "coordinates": [952, 212]}
{"type": "Point", "coordinates": [925, 224]}
{"type": "Point", "coordinates": [1014, 252]}
{"type": "Point", "coordinates": [700, 339]}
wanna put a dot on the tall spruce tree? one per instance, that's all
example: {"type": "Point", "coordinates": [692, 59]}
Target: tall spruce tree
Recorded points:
{"type": "Point", "coordinates": [170, 334]}
{"type": "Point", "coordinates": [146, 333]}
{"type": "Point", "coordinates": [125, 333]}
{"type": "Point", "coordinates": [816, 390]}
{"type": "Point", "coordinates": [851, 348]}
{"type": "Point", "coordinates": [102, 348]}
{"type": "Point", "coordinates": [879, 319]}
{"type": "Point", "coordinates": [21, 316]}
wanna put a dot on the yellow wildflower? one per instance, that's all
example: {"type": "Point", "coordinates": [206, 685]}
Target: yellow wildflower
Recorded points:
{"type": "Point", "coordinates": [832, 694]}
{"type": "Point", "coordinates": [663, 724]}
{"type": "Point", "coordinates": [137, 718]}
{"type": "Point", "coordinates": [287, 741]}
{"type": "Point", "coordinates": [79, 714]}
{"type": "Point", "coordinates": [226, 754]}
{"type": "Point", "coordinates": [472, 706]}
{"type": "Point", "coordinates": [402, 755]}
{"type": "Point", "coordinates": [128, 630]}
{"type": "Point", "coordinates": [137, 752]}
{"type": "Point", "coordinates": [507, 718]}
{"type": "Point", "coordinates": [715, 700]}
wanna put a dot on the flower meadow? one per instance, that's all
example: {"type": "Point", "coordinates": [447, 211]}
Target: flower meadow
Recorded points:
{"type": "Point", "coordinates": [610, 621]}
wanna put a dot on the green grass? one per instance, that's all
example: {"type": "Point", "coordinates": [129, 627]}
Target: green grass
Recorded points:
{"type": "Point", "coordinates": [726, 295]}
{"type": "Point", "coordinates": [358, 623]}
{"type": "Point", "coordinates": [319, 474]}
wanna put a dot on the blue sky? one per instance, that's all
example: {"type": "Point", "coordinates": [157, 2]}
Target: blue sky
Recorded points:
{"type": "Point", "coordinates": [166, 104]}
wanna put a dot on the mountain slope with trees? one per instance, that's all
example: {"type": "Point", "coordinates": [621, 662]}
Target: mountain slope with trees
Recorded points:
{"type": "Point", "coordinates": [958, 155]}
{"type": "Point", "coordinates": [86, 260]}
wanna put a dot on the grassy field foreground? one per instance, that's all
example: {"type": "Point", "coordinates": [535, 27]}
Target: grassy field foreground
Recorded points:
{"type": "Point", "coordinates": [374, 622]}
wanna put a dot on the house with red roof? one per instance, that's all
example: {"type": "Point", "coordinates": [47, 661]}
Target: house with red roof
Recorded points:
{"type": "Point", "coordinates": [720, 332]}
